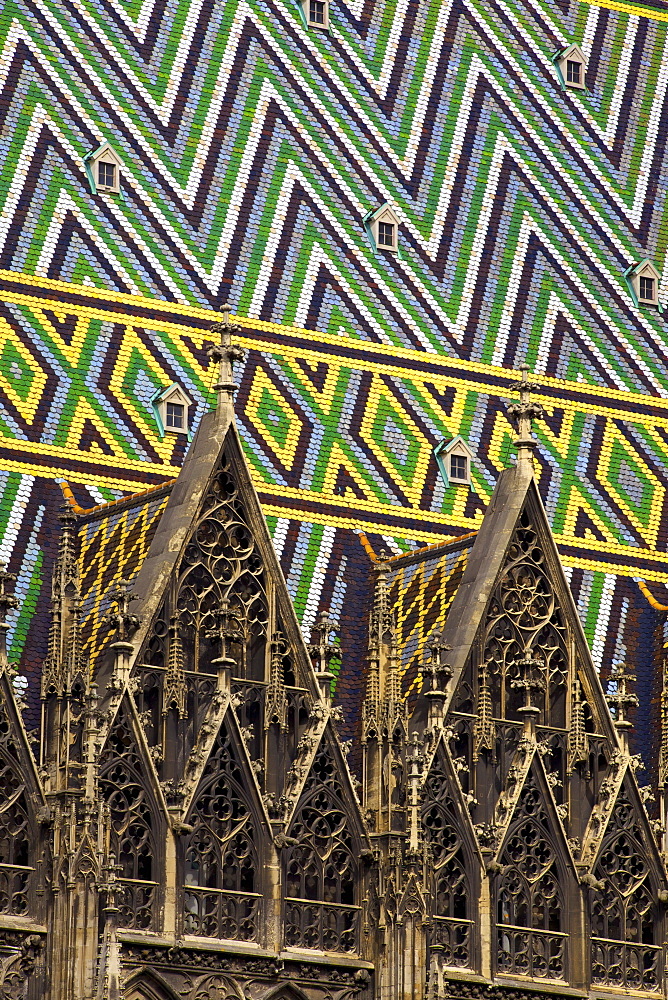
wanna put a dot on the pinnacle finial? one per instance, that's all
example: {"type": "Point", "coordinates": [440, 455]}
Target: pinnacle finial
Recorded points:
{"type": "Point", "coordinates": [224, 355]}
{"type": "Point", "coordinates": [125, 623]}
{"type": "Point", "coordinates": [620, 699]}
{"type": "Point", "coordinates": [7, 603]}
{"type": "Point", "coordinates": [522, 415]}
{"type": "Point", "coordinates": [322, 651]}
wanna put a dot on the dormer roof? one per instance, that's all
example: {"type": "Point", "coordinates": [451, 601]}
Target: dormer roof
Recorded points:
{"type": "Point", "coordinates": [172, 392]}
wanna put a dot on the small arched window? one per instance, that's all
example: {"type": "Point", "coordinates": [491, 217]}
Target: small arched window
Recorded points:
{"type": "Point", "coordinates": [221, 896]}
{"type": "Point", "coordinates": [626, 934]}
{"type": "Point", "coordinates": [453, 923]}
{"type": "Point", "coordinates": [530, 919]}
{"type": "Point", "coordinates": [134, 823]}
{"type": "Point", "coordinates": [321, 871]}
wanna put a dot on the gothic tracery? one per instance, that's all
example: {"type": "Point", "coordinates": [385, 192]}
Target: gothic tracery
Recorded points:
{"type": "Point", "coordinates": [525, 620]}
{"type": "Point", "coordinates": [222, 888]}
{"type": "Point", "coordinates": [134, 826]}
{"type": "Point", "coordinates": [531, 913]}
{"type": "Point", "coordinates": [321, 870]}
{"type": "Point", "coordinates": [625, 930]}
{"type": "Point", "coordinates": [16, 836]}
{"type": "Point", "coordinates": [453, 924]}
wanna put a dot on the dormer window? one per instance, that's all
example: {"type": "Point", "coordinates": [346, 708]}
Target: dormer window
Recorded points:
{"type": "Point", "coordinates": [106, 174]}
{"type": "Point", "coordinates": [459, 468]}
{"type": "Point", "coordinates": [383, 226]}
{"type": "Point", "coordinates": [454, 461]}
{"type": "Point", "coordinates": [644, 280]}
{"type": "Point", "coordinates": [171, 410]}
{"type": "Point", "coordinates": [647, 292]}
{"type": "Point", "coordinates": [103, 168]}
{"type": "Point", "coordinates": [387, 236]}
{"type": "Point", "coordinates": [175, 417]}
{"type": "Point", "coordinates": [316, 13]}
{"type": "Point", "coordinates": [572, 67]}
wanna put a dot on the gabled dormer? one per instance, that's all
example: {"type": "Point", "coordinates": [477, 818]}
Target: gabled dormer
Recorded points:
{"type": "Point", "coordinates": [171, 407]}
{"type": "Point", "coordinates": [316, 13]}
{"type": "Point", "coordinates": [383, 228]}
{"type": "Point", "coordinates": [572, 67]}
{"type": "Point", "coordinates": [454, 458]}
{"type": "Point", "coordinates": [103, 168]}
{"type": "Point", "coordinates": [643, 280]}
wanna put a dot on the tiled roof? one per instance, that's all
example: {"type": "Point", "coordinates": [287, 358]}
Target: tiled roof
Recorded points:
{"type": "Point", "coordinates": [421, 586]}
{"type": "Point", "coordinates": [114, 540]}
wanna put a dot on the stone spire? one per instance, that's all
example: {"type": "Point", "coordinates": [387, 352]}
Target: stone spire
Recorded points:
{"type": "Point", "coordinates": [522, 415]}
{"type": "Point", "coordinates": [530, 680]}
{"type": "Point", "coordinates": [224, 355]}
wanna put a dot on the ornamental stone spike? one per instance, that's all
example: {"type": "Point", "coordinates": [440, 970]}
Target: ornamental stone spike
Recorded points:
{"type": "Point", "coordinates": [521, 415]}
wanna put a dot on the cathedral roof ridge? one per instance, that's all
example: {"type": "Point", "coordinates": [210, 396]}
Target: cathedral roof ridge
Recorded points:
{"type": "Point", "coordinates": [416, 555]}
{"type": "Point", "coordinates": [99, 510]}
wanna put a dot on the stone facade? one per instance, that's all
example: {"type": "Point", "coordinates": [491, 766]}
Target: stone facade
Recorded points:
{"type": "Point", "coordinates": [186, 823]}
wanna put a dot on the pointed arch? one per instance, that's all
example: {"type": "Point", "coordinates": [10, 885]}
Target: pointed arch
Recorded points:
{"type": "Point", "coordinates": [145, 984]}
{"type": "Point", "coordinates": [525, 619]}
{"type": "Point", "coordinates": [285, 991]}
{"type": "Point", "coordinates": [221, 562]}
{"type": "Point", "coordinates": [321, 871]}
{"type": "Point", "coordinates": [627, 935]}
{"type": "Point", "coordinates": [455, 868]}
{"type": "Point", "coordinates": [222, 856]}
{"type": "Point", "coordinates": [532, 888]}
{"type": "Point", "coordinates": [20, 795]}
{"type": "Point", "coordinates": [137, 823]}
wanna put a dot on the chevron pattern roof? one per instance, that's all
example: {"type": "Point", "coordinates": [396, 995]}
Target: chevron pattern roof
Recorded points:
{"type": "Point", "coordinates": [252, 150]}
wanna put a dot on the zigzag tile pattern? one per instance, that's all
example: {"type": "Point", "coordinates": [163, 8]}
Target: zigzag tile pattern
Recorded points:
{"type": "Point", "coordinates": [252, 149]}
{"type": "Point", "coordinates": [340, 438]}
{"type": "Point", "coordinates": [421, 589]}
{"type": "Point", "coordinates": [113, 542]}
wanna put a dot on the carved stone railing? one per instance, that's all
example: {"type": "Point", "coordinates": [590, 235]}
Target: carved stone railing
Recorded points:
{"type": "Point", "coordinates": [533, 953]}
{"type": "Point", "coordinates": [137, 904]}
{"type": "Point", "coordinates": [321, 926]}
{"type": "Point", "coordinates": [626, 966]}
{"type": "Point", "coordinates": [455, 939]}
{"type": "Point", "coordinates": [218, 913]}
{"type": "Point", "coordinates": [15, 884]}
